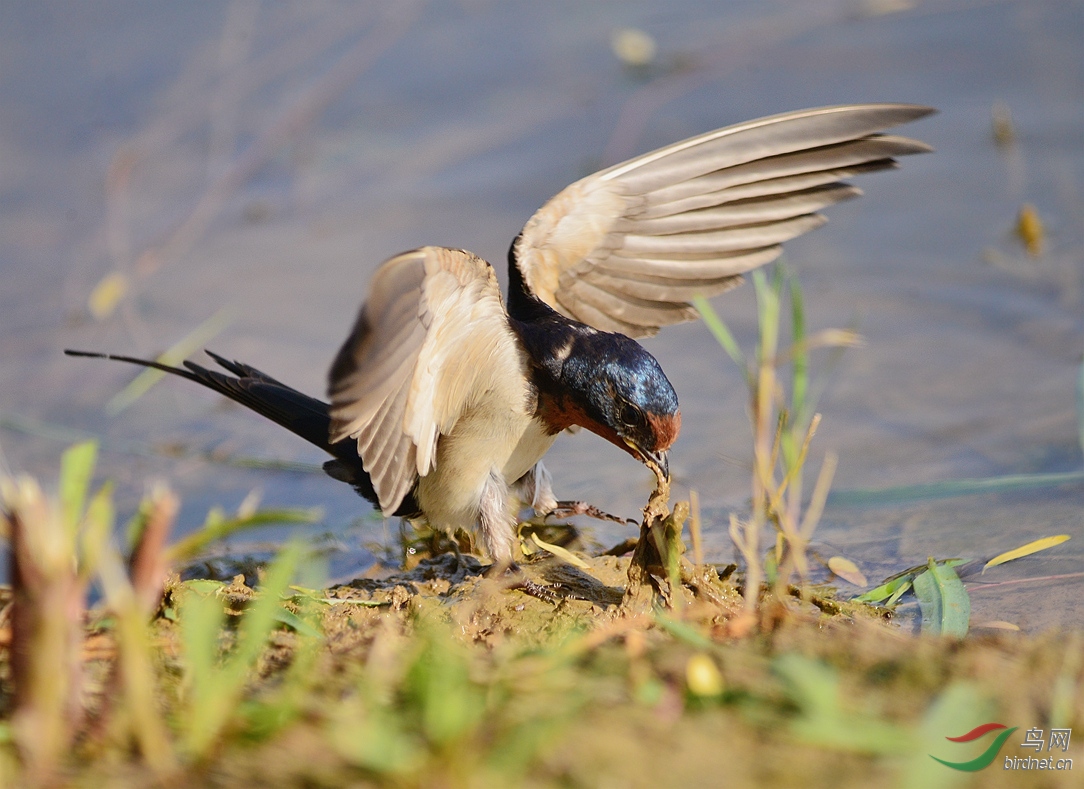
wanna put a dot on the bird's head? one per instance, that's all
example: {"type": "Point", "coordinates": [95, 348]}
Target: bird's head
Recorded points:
{"type": "Point", "coordinates": [624, 395]}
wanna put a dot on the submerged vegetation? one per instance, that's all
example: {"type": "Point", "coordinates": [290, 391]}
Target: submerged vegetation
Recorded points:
{"type": "Point", "coordinates": [641, 666]}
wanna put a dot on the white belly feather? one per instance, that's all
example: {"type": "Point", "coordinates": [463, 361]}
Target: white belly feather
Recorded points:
{"type": "Point", "coordinates": [496, 438]}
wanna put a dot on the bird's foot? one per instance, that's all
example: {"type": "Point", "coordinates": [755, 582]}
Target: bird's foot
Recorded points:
{"type": "Point", "coordinates": [513, 577]}
{"type": "Point", "coordinates": [566, 509]}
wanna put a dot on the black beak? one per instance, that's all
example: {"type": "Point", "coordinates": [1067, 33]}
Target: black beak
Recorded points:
{"type": "Point", "coordinates": [660, 459]}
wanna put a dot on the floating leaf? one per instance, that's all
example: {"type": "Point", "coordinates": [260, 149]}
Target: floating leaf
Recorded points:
{"type": "Point", "coordinates": [996, 624]}
{"type": "Point", "coordinates": [896, 585]}
{"type": "Point", "coordinates": [107, 294]}
{"type": "Point", "coordinates": [946, 608]}
{"type": "Point", "coordinates": [1026, 550]}
{"type": "Point", "coordinates": [847, 570]}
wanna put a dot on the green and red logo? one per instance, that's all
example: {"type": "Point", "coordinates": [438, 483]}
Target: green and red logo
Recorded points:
{"type": "Point", "coordinates": [984, 759]}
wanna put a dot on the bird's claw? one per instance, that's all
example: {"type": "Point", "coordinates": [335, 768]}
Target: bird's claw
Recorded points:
{"type": "Point", "coordinates": [566, 509]}
{"type": "Point", "coordinates": [513, 575]}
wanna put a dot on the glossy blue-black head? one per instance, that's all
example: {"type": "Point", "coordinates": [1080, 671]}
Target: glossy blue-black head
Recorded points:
{"type": "Point", "coordinates": [624, 393]}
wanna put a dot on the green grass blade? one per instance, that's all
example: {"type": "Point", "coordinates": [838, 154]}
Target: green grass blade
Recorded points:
{"type": "Point", "coordinates": [216, 690]}
{"type": "Point", "coordinates": [684, 632]}
{"type": "Point", "coordinates": [260, 617]}
{"type": "Point", "coordinates": [97, 529]}
{"type": "Point", "coordinates": [800, 363]}
{"type": "Point", "coordinates": [958, 709]}
{"type": "Point", "coordinates": [887, 590]}
{"type": "Point", "coordinates": [201, 622]}
{"type": "Point", "coordinates": [296, 623]}
{"type": "Point", "coordinates": [217, 528]}
{"type": "Point", "coordinates": [76, 469]}
{"type": "Point", "coordinates": [449, 704]}
{"type": "Point", "coordinates": [720, 331]}
{"type": "Point", "coordinates": [824, 720]}
{"type": "Point", "coordinates": [767, 316]}
{"type": "Point", "coordinates": [929, 601]}
{"type": "Point", "coordinates": [900, 592]}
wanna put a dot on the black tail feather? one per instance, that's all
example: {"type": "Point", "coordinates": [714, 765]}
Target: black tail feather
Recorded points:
{"type": "Point", "coordinates": [302, 415]}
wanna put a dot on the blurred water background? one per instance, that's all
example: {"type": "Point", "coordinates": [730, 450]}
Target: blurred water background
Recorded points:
{"type": "Point", "coordinates": [253, 162]}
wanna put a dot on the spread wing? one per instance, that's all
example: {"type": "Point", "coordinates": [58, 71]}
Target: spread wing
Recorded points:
{"type": "Point", "coordinates": [431, 337]}
{"type": "Point", "coordinates": [627, 248]}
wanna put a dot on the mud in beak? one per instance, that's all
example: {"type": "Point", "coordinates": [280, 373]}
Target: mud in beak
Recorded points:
{"type": "Point", "coordinates": [659, 459]}
{"type": "Point", "coordinates": [662, 460]}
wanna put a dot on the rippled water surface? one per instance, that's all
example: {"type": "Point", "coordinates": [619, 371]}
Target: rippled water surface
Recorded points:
{"type": "Point", "coordinates": [261, 159]}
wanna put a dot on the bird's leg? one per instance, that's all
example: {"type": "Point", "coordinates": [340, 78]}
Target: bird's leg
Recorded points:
{"type": "Point", "coordinates": [497, 524]}
{"type": "Point", "coordinates": [536, 488]}
{"type": "Point", "coordinates": [498, 534]}
{"type": "Point", "coordinates": [566, 509]}
{"type": "Point", "coordinates": [511, 576]}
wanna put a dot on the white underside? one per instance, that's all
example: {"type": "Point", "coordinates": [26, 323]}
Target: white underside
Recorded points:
{"type": "Point", "coordinates": [490, 447]}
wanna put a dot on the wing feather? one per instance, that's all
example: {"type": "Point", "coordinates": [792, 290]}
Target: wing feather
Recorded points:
{"type": "Point", "coordinates": [755, 210]}
{"type": "Point", "coordinates": [626, 249]}
{"type": "Point", "coordinates": [722, 265]}
{"type": "Point", "coordinates": [432, 339]}
{"type": "Point", "coordinates": [661, 289]}
{"type": "Point", "coordinates": [727, 240]}
{"type": "Point", "coordinates": [878, 150]}
{"type": "Point", "coordinates": [626, 309]}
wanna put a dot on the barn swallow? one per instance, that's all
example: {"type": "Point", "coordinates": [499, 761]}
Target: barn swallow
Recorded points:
{"type": "Point", "coordinates": [444, 398]}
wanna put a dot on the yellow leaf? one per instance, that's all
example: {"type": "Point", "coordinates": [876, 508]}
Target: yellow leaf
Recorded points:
{"type": "Point", "coordinates": [560, 553]}
{"type": "Point", "coordinates": [107, 294]}
{"type": "Point", "coordinates": [526, 547]}
{"type": "Point", "coordinates": [1026, 550]}
{"type": "Point", "coordinates": [1029, 228]}
{"type": "Point", "coordinates": [996, 624]}
{"type": "Point", "coordinates": [847, 570]}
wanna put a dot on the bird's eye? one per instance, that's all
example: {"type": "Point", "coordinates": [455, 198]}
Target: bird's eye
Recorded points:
{"type": "Point", "coordinates": [631, 416]}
